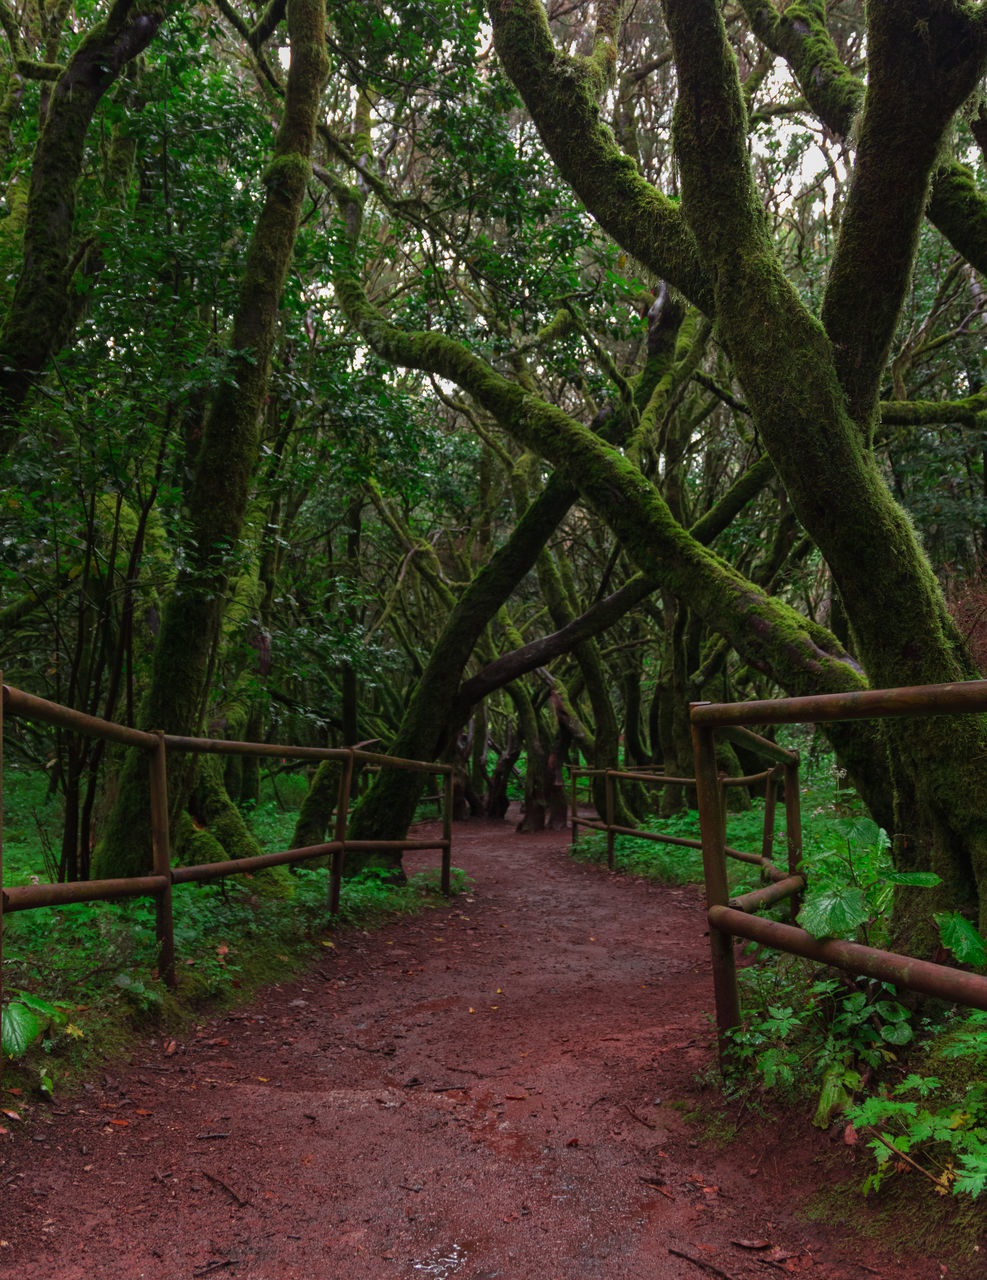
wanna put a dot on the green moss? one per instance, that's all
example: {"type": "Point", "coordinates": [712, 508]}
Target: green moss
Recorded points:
{"type": "Point", "coordinates": [904, 1216]}
{"type": "Point", "coordinates": [317, 808]}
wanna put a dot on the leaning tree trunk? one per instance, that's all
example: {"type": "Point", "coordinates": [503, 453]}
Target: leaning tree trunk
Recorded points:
{"type": "Point", "coordinates": [389, 806]}
{"type": "Point", "coordinates": [227, 458]}
{"type": "Point", "coordinates": [812, 387]}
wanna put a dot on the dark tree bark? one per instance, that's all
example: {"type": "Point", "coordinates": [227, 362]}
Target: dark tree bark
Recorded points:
{"type": "Point", "coordinates": [227, 458]}
{"type": "Point", "coordinates": [35, 323]}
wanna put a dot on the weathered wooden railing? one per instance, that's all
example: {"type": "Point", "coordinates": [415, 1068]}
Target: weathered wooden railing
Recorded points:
{"type": "Point", "coordinates": [730, 918]}
{"type": "Point", "coordinates": [769, 778]}
{"type": "Point", "coordinates": [158, 884]}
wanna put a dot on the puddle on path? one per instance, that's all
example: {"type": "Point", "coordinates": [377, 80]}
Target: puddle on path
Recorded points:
{"type": "Point", "coordinates": [445, 1263]}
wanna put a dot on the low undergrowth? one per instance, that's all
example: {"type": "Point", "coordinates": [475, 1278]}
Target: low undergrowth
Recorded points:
{"type": "Point", "coordinates": [79, 979]}
{"type": "Point", "coordinates": [901, 1080]}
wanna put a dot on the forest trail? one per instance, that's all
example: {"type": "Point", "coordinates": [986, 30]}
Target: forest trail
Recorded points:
{"type": "Point", "coordinates": [494, 1089]}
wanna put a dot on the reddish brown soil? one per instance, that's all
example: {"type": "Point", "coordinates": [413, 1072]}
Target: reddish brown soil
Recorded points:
{"type": "Point", "coordinates": [491, 1090]}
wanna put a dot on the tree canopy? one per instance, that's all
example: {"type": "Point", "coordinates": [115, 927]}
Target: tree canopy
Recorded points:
{"type": "Point", "coordinates": [477, 380]}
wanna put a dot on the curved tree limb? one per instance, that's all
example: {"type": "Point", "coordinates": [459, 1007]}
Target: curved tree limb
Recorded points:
{"type": "Point", "coordinates": [33, 321]}
{"type": "Point", "coordinates": [562, 93]}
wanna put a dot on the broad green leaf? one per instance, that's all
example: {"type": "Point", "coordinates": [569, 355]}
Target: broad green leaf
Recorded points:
{"type": "Point", "coordinates": [834, 1095]}
{"type": "Point", "coordinates": [959, 936]}
{"type": "Point", "coordinates": [48, 1011]}
{"type": "Point", "coordinates": [896, 1033]}
{"type": "Point", "coordinates": [861, 831]}
{"type": "Point", "coordinates": [18, 1028]}
{"type": "Point", "coordinates": [834, 913]}
{"type": "Point", "coordinates": [920, 879]}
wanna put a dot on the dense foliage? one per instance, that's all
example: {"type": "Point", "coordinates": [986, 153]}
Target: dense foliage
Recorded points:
{"type": "Point", "coordinates": [435, 378]}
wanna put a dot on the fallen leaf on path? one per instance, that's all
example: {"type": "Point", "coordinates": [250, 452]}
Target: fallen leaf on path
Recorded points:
{"type": "Point", "coordinates": [11, 1115]}
{"type": "Point", "coordinates": [751, 1244]}
{"type": "Point", "coordinates": [573, 1142]}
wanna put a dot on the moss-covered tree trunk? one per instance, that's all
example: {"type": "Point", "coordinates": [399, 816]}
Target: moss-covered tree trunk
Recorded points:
{"type": "Point", "coordinates": [227, 458]}
{"type": "Point", "coordinates": [35, 324]}
{"type": "Point", "coordinates": [812, 386]}
{"type": "Point", "coordinates": [389, 806]}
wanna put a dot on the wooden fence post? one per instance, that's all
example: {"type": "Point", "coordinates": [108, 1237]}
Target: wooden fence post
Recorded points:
{"type": "Point", "coordinates": [608, 818]}
{"type": "Point", "coordinates": [709, 793]}
{"type": "Point", "coordinates": [793, 831]}
{"type": "Point", "coordinates": [342, 817]}
{"type": "Point", "coordinates": [161, 844]}
{"type": "Point", "coordinates": [447, 833]}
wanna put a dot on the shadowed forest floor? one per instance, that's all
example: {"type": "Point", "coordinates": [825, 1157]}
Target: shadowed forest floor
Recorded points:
{"type": "Point", "coordinates": [508, 1086]}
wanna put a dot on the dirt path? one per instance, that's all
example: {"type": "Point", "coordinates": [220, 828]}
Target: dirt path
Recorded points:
{"type": "Point", "coordinates": [487, 1091]}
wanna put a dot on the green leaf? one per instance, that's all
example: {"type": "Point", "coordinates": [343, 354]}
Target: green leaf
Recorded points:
{"type": "Point", "coordinates": [972, 1180]}
{"type": "Point", "coordinates": [896, 1033]}
{"type": "Point", "coordinates": [834, 1095]}
{"type": "Point", "coordinates": [834, 913]}
{"type": "Point", "coordinates": [861, 831]}
{"type": "Point", "coordinates": [48, 1011]}
{"type": "Point", "coordinates": [959, 936]}
{"type": "Point", "coordinates": [920, 879]}
{"type": "Point", "coordinates": [18, 1028]}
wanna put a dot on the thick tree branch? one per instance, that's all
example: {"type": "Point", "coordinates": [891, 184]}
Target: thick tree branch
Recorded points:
{"type": "Point", "coordinates": [562, 95]}
{"type": "Point", "coordinates": [771, 635]}
{"type": "Point", "coordinates": [956, 206]}
{"type": "Point", "coordinates": [924, 59]}
{"type": "Point", "coordinates": [917, 413]}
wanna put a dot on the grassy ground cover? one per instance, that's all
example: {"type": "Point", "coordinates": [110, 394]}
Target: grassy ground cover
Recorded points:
{"type": "Point", "coordinates": [79, 978]}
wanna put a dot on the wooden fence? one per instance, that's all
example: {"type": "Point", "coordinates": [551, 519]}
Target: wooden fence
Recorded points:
{"type": "Point", "coordinates": [732, 917]}
{"type": "Point", "coordinates": [159, 882]}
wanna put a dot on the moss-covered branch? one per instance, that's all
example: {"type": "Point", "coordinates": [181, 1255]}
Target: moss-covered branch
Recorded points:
{"type": "Point", "coordinates": [562, 95]}
{"type": "Point", "coordinates": [917, 413]}
{"type": "Point", "coordinates": [924, 59]}
{"type": "Point", "coordinates": [772, 635]}
{"type": "Point", "coordinates": [33, 322]}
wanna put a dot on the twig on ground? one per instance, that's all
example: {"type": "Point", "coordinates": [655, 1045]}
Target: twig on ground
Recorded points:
{"type": "Point", "coordinates": [640, 1119]}
{"type": "Point", "coordinates": [903, 1156]}
{"type": "Point", "coordinates": [702, 1264]}
{"type": "Point", "coordinates": [229, 1190]}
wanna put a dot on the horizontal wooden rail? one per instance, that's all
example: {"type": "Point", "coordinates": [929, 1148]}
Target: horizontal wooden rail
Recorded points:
{"type": "Point", "coordinates": [159, 885]}
{"type": "Point", "coordinates": [888, 966]}
{"type": "Point", "coordinates": [917, 700]}
{"type": "Point", "coordinates": [731, 917]}
{"type": "Point", "coordinates": [25, 897]}
{"type": "Point", "coordinates": [25, 705]}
